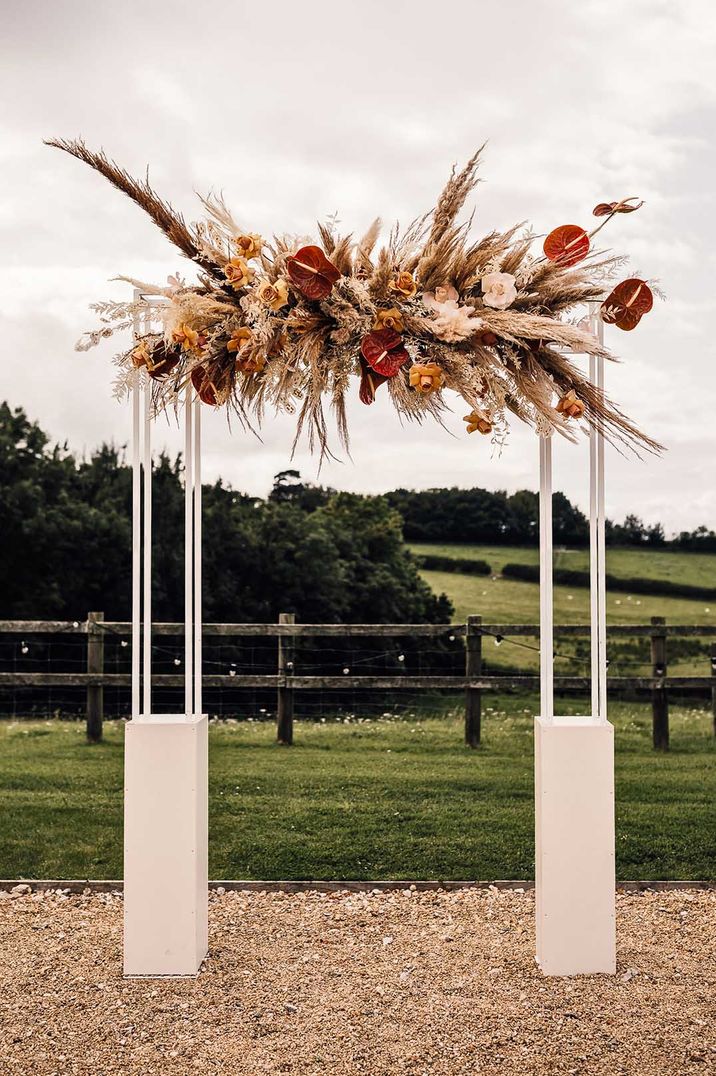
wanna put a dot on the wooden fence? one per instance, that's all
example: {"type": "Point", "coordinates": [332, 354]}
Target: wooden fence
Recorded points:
{"type": "Point", "coordinates": [287, 680]}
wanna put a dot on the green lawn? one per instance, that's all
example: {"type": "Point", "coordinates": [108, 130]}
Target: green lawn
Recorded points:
{"type": "Point", "coordinates": [510, 601]}
{"type": "Point", "coordinates": [697, 569]}
{"type": "Point", "coordinates": [373, 799]}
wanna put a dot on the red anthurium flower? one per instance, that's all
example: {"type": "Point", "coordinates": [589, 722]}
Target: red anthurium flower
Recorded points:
{"type": "Point", "coordinates": [567, 244]}
{"type": "Point", "coordinates": [311, 272]}
{"type": "Point", "coordinates": [627, 304]}
{"type": "Point", "coordinates": [202, 384]}
{"type": "Point", "coordinates": [384, 352]}
{"type": "Point", "coordinates": [370, 382]}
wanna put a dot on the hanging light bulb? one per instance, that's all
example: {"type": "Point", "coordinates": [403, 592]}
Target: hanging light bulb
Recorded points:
{"type": "Point", "coordinates": [401, 657]}
{"type": "Point", "coordinates": [498, 640]}
{"type": "Point", "coordinates": [124, 643]}
{"type": "Point", "coordinates": [24, 647]}
{"type": "Point", "coordinates": [177, 661]}
{"type": "Point", "coordinates": [346, 671]}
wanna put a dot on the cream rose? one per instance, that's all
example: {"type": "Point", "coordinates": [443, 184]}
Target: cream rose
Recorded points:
{"type": "Point", "coordinates": [498, 290]}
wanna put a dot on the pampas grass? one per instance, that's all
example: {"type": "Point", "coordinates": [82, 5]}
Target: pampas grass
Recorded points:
{"type": "Point", "coordinates": [309, 350]}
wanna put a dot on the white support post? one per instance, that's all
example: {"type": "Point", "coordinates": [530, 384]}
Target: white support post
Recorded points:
{"type": "Point", "coordinates": [546, 614]}
{"type": "Point", "coordinates": [136, 550]}
{"type": "Point", "coordinates": [198, 612]}
{"type": "Point", "coordinates": [574, 761]}
{"type": "Point", "coordinates": [147, 554]}
{"type": "Point", "coordinates": [166, 755]}
{"type": "Point", "coordinates": [188, 551]}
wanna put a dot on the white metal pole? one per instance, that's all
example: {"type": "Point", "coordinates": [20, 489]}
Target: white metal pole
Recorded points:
{"type": "Point", "coordinates": [198, 615]}
{"type": "Point", "coordinates": [147, 581]}
{"type": "Point", "coordinates": [136, 544]}
{"type": "Point", "coordinates": [545, 579]}
{"type": "Point", "coordinates": [597, 550]}
{"type": "Point", "coordinates": [601, 547]}
{"type": "Point", "coordinates": [188, 552]}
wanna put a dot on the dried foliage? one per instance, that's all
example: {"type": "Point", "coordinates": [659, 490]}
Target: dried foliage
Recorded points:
{"type": "Point", "coordinates": [285, 325]}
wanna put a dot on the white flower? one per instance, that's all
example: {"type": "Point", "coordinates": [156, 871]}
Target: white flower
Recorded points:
{"type": "Point", "coordinates": [451, 322]}
{"type": "Point", "coordinates": [498, 290]}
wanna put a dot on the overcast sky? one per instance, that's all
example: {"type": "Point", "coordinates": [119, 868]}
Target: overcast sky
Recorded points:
{"type": "Point", "coordinates": [297, 111]}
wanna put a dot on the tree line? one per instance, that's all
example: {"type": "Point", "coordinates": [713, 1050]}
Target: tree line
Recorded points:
{"type": "Point", "coordinates": [65, 529]}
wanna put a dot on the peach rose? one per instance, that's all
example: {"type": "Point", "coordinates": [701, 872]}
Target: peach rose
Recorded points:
{"type": "Point", "coordinates": [188, 339]}
{"type": "Point", "coordinates": [249, 245]}
{"type": "Point", "coordinates": [273, 295]}
{"type": "Point", "coordinates": [477, 421]}
{"type": "Point", "coordinates": [239, 338]}
{"type": "Point", "coordinates": [426, 377]}
{"type": "Point", "coordinates": [141, 356]}
{"type": "Point", "coordinates": [238, 273]}
{"type": "Point", "coordinates": [389, 319]}
{"type": "Point", "coordinates": [570, 405]}
{"type": "Point", "coordinates": [404, 284]}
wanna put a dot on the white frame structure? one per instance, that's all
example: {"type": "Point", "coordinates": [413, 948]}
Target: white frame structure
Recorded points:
{"type": "Point", "coordinates": [166, 755]}
{"type": "Point", "coordinates": [574, 756]}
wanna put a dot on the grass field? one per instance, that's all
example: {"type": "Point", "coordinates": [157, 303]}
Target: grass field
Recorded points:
{"type": "Point", "coordinates": [376, 799]}
{"type": "Point", "coordinates": [511, 601]}
{"type": "Point", "coordinates": [697, 569]}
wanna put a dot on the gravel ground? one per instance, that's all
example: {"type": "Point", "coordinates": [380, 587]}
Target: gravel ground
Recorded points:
{"type": "Point", "coordinates": [376, 984]}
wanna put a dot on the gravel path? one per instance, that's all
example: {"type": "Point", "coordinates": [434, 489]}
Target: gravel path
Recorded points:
{"type": "Point", "coordinates": [377, 984]}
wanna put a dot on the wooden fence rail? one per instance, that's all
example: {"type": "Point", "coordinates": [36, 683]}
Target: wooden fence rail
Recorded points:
{"type": "Point", "coordinates": [287, 679]}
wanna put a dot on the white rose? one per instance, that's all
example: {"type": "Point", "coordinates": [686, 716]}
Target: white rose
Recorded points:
{"type": "Point", "coordinates": [498, 290]}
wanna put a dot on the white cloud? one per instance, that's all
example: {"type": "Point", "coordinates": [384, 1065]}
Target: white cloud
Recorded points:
{"type": "Point", "coordinates": [300, 110]}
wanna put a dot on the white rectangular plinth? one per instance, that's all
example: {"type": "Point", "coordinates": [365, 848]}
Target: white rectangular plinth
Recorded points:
{"type": "Point", "coordinates": [165, 844]}
{"type": "Point", "coordinates": [574, 837]}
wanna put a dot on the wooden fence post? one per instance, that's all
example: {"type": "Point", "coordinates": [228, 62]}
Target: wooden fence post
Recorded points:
{"type": "Point", "coordinates": [659, 697]}
{"type": "Point", "coordinates": [95, 664]}
{"type": "Point", "coordinates": [473, 667]}
{"type": "Point", "coordinates": [713, 685]}
{"type": "Point", "coordinates": [284, 710]}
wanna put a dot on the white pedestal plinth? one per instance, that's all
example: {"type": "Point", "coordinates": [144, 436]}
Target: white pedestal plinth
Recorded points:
{"type": "Point", "coordinates": [165, 844]}
{"type": "Point", "coordinates": [574, 832]}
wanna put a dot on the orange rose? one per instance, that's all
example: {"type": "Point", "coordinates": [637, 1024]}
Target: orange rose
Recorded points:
{"type": "Point", "coordinates": [140, 355]}
{"type": "Point", "coordinates": [252, 364]}
{"type": "Point", "coordinates": [389, 319]}
{"type": "Point", "coordinates": [238, 273]}
{"type": "Point", "coordinates": [404, 284]}
{"type": "Point", "coordinates": [273, 295]}
{"type": "Point", "coordinates": [239, 338]}
{"type": "Point", "coordinates": [570, 405]}
{"type": "Point", "coordinates": [477, 421]}
{"type": "Point", "coordinates": [189, 339]}
{"type": "Point", "coordinates": [426, 377]}
{"type": "Point", "coordinates": [249, 245]}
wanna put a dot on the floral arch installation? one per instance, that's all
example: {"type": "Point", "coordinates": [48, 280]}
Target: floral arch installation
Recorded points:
{"type": "Point", "coordinates": [287, 324]}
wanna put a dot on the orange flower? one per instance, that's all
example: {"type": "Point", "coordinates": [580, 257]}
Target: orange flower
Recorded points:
{"type": "Point", "coordinates": [389, 319]}
{"type": "Point", "coordinates": [239, 338]}
{"type": "Point", "coordinates": [570, 405]}
{"type": "Point", "coordinates": [252, 364]}
{"type": "Point", "coordinates": [426, 377]}
{"type": "Point", "coordinates": [477, 421]}
{"type": "Point", "coordinates": [248, 245]}
{"type": "Point", "coordinates": [404, 284]}
{"type": "Point", "coordinates": [238, 273]}
{"type": "Point", "coordinates": [140, 355]}
{"type": "Point", "coordinates": [189, 339]}
{"type": "Point", "coordinates": [275, 295]}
